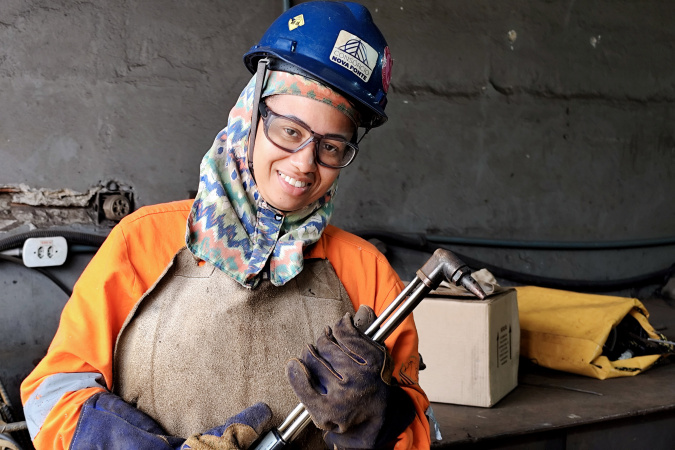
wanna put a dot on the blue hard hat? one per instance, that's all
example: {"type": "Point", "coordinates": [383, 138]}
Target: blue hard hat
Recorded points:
{"type": "Point", "coordinates": [336, 43]}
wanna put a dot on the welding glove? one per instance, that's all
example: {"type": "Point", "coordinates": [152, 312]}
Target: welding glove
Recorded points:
{"type": "Point", "coordinates": [237, 433]}
{"type": "Point", "coordinates": [345, 382]}
{"type": "Point", "coordinates": [108, 422]}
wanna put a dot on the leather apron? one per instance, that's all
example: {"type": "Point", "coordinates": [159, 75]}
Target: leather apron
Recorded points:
{"type": "Point", "coordinates": [199, 348]}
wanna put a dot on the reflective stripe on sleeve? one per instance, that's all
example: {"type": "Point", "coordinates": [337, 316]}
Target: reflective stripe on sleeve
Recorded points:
{"type": "Point", "coordinates": [434, 427]}
{"type": "Point", "coordinates": [51, 390]}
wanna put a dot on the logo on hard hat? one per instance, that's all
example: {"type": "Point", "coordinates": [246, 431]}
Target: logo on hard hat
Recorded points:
{"type": "Point", "coordinates": [354, 54]}
{"type": "Point", "coordinates": [296, 22]}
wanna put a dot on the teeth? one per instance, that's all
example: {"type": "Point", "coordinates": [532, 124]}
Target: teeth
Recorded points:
{"type": "Point", "coordinates": [293, 181]}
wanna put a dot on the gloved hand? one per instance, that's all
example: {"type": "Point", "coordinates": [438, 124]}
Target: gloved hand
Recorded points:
{"type": "Point", "coordinates": [237, 433]}
{"type": "Point", "coordinates": [345, 383]}
{"type": "Point", "coordinates": [109, 423]}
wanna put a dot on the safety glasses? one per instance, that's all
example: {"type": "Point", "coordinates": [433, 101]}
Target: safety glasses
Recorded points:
{"type": "Point", "coordinates": [292, 135]}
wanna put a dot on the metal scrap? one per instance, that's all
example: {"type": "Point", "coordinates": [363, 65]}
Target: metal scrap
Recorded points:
{"type": "Point", "coordinates": [25, 195]}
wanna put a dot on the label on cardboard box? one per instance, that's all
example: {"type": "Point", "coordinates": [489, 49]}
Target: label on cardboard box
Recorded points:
{"type": "Point", "coordinates": [470, 347]}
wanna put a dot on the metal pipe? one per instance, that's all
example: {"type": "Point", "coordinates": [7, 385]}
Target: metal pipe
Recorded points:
{"type": "Point", "coordinates": [554, 245]}
{"type": "Point", "coordinates": [299, 424]}
{"type": "Point", "coordinates": [392, 306]}
{"type": "Point", "coordinates": [381, 334]}
{"type": "Point", "coordinates": [13, 427]}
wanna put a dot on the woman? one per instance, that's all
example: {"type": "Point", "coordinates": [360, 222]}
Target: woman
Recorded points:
{"type": "Point", "coordinates": [169, 332]}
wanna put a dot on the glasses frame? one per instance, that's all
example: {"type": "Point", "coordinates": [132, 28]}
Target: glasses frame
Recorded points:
{"type": "Point", "coordinates": [267, 114]}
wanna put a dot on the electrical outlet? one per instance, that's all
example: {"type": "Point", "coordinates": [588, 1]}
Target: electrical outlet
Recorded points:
{"type": "Point", "coordinates": [44, 251]}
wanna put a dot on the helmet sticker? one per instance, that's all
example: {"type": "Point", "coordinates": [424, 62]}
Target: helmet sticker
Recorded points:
{"type": "Point", "coordinates": [386, 69]}
{"type": "Point", "coordinates": [296, 22]}
{"type": "Point", "coordinates": [354, 54]}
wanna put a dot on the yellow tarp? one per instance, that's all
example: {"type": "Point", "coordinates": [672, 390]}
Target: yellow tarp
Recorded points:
{"type": "Point", "coordinates": [566, 331]}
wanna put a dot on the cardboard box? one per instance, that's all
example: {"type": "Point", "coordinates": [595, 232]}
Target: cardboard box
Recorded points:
{"type": "Point", "coordinates": [471, 347]}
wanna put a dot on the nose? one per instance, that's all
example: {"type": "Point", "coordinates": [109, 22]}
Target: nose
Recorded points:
{"type": "Point", "coordinates": [305, 158]}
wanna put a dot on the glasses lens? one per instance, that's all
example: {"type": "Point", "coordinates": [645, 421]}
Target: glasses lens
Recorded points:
{"type": "Point", "coordinates": [286, 133]}
{"type": "Point", "coordinates": [335, 152]}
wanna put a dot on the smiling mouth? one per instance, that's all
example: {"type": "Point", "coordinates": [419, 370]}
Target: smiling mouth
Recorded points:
{"type": "Point", "coordinates": [293, 181]}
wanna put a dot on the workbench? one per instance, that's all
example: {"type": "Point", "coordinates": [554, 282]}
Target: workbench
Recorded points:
{"type": "Point", "coordinates": [551, 409]}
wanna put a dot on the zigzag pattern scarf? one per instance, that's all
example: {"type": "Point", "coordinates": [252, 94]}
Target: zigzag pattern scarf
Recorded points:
{"type": "Point", "coordinates": [230, 225]}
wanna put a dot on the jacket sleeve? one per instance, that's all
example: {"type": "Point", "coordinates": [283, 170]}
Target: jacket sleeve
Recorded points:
{"type": "Point", "coordinates": [79, 361]}
{"type": "Point", "coordinates": [369, 279]}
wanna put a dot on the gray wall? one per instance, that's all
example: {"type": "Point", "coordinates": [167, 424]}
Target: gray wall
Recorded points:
{"type": "Point", "coordinates": [548, 120]}
{"type": "Point", "coordinates": [561, 130]}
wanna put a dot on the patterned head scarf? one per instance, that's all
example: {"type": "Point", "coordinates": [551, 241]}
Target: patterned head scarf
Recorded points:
{"type": "Point", "coordinates": [230, 224]}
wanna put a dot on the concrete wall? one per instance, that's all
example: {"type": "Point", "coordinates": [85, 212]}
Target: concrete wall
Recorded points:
{"type": "Point", "coordinates": [548, 120]}
{"type": "Point", "coordinates": [545, 120]}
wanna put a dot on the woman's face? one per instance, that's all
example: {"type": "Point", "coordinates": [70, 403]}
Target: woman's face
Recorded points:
{"type": "Point", "coordinates": [291, 181]}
